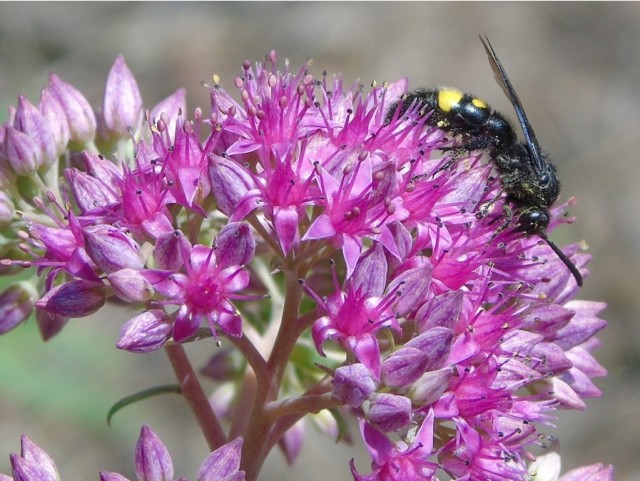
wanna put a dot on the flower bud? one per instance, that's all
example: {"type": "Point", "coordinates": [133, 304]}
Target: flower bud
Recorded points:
{"type": "Point", "coordinates": [223, 463]}
{"type": "Point", "coordinates": [110, 249]}
{"type": "Point", "coordinates": [370, 274]}
{"type": "Point", "coordinates": [122, 103]}
{"type": "Point", "coordinates": [390, 412]}
{"type": "Point", "coordinates": [90, 193]}
{"type": "Point", "coordinates": [80, 117]}
{"type": "Point", "coordinates": [414, 289]}
{"type": "Point", "coordinates": [171, 250]}
{"type": "Point", "coordinates": [291, 442]}
{"type": "Point", "coordinates": [145, 332]}
{"type": "Point", "coordinates": [16, 303]}
{"type": "Point", "coordinates": [30, 120]}
{"type": "Point", "coordinates": [22, 152]}
{"type": "Point", "coordinates": [55, 118]}
{"type": "Point", "coordinates": [109, 476]}
{"type": "Point", "coordinates": [34, 464]}
{"type": "Point", "coordinates": [230, 183]}
{"type": "Point", "coordinates": [130, 285]}
{"type": "Point", "coordinates": [353, 384]}
{"type": "Point", "coordinates": [152, 459]}
{"type": "Point", "coordinates": [235, 245]}
{"type": "Point", "coordinates": [429, 387]}
{"type": "Point", "coordinates": [49, 324]}
{"type": "Point", "coordinates": [443, 310]}
{"type": "Point", "coordinates": [76, 298]}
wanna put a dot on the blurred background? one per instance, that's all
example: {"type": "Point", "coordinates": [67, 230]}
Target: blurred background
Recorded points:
{"type": "Point", "coordinates": [575, 66]}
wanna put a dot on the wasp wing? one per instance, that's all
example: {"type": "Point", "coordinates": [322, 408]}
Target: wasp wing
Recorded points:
{"type": "Point", "coordinates": [509, 91]}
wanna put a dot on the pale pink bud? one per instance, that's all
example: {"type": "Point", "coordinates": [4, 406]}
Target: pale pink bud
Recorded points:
{"type": "Point", "coordinates": [145, 332]}
{"type": "Point", "coordinates": [353, 384]}
{"type": "Point", "coordinates": [122, 103]}
{"type": "Point", "coordinates": [230, 182]}
{"type": "Point", "coordinates": [223, 463]}
{"type": "Point", "coordinates": [80, 117]}
{"type": "Point", "coordinates": [390, 412]}
{"type": "Point", "coordinates": [130, 285]}
{"type": "Point", "coordinates": [22, 152]}
{"type": "Point", "coordinates": [34, 464]}
{"type": "Point", "coordinates": [152, 459]}
{"type": "Point", "coordinates": [110, 249]}
{"type": "Point", "coordinates": [56, 119]}
{"type": "Point", "coordinates": [29, 119]}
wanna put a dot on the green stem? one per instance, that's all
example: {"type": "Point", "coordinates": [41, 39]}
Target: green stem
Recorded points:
{"type": "Point", "coordinates": [195, 396]}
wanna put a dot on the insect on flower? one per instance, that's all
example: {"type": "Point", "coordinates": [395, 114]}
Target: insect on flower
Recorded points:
{"type": "Point", "coordinates": [526, 174]}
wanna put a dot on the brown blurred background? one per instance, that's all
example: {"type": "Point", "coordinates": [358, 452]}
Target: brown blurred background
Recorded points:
{"type": "Point", "coordinates": [576, 67]}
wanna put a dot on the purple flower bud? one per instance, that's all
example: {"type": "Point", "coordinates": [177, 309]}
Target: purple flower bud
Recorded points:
{"type": "Point", "coordinates": [76, 298]}
{"type": "Point", "coordinates": [223, 365]}
{"type": "Point", "coordinates": [171, 250]}
{"type": "Point", "coordinates": [223, 464]}
{"type": "Point", "coordinates": [390, 412]}
{"type": "Point", "coordinates": [230, 183]}
{"type": "Point", "coordinates": [130, 285]}
{"type": "Point", "coordinates": [30, 120]}
{"type": "Point", "coordinates": [145, 332]}
{"type": "Point", "coordinates": [403, 367]}
{"type": "Point", "coordinates": [54, 115]}
{"type": "Point", "coordinates": [370, 274]}
{"type": "Point", "coordinates": [235, 245]}
{"type": "Point", "coordinates": [22, 152]}
{"type": "Point", "coordinates": [353, 384]}
{"type": "Point", "coordinates": [414, 289]}
{"type": "Point", "coordinates": [80, 117]}
{"type": "Point", "coordinates": [34, 464]}
{"type": "Point", "coordinates": [101, 168]}
{"type": "Point", "coordinates": [108, 476]}
{"type": "Point", "coordinates": [430, 387]}
{"type": "Point", "coordinates": [152, 459]}
{"type": "Point", "coordinates": [16, 303]}
{"type": "Point", "coordinates": [122, 103]}
{"type": "Point", "coordinates": [443, 310]}
{"type": "Point", "coordinates": [110, 249]}
{"type": "Point", "coordinates": [90, 193]}
{"type": "Point", "coordinates": [291, 442]}
{"type": "Point", "coordinates": [49, 324]}
{"type": "Point", "coordinates": [594, 472]}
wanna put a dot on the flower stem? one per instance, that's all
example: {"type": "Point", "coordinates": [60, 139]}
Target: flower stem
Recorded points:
{"type": "Point", "coordinates": [195, 396]}
{"type": "Point", "coordinates": [254, 450]}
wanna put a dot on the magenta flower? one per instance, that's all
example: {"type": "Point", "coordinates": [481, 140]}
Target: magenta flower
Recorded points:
{"type": "Point", "coordinates": [204, 292]}
{"type": "Point", "coordinates": [398, 461]}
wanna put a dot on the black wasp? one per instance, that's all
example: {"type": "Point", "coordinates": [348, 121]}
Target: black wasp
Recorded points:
{"type": "Point", "coordinates": [526, 174]}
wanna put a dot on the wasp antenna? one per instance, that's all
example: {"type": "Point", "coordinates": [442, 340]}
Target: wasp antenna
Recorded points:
{"type": "Point", "coordinates": [563, 257]}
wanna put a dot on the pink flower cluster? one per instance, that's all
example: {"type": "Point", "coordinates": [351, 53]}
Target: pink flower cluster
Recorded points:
{"type": "Point", "coordinates": [301, 209]}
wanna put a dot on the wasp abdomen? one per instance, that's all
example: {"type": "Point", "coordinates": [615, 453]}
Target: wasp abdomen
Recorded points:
{"type": "Point", "coordinates": [461, 114]}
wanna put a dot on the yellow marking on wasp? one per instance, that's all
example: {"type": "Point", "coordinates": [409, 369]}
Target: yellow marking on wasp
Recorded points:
{"type": "Point", "coordinates": [448, 98]}
{"type": "Point", "coordinates": [480, 103]}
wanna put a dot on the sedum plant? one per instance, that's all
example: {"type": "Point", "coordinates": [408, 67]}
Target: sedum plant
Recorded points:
{"type": "Point", "coordinates": [321, 249]}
